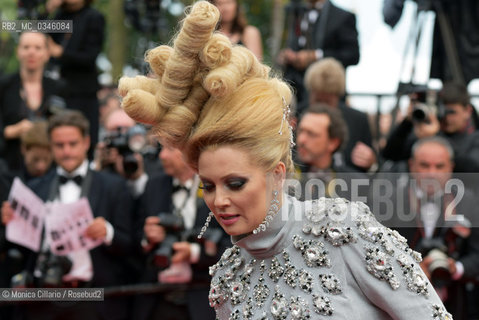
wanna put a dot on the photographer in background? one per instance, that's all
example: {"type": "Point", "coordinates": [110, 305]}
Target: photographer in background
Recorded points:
{"type": "Point", "coordinates": [110, 203]}
{"type": "Point", "coordinates": [26, 96]}
{"type": "Point", "coordinates": [178, 210]}
{"type": "Point", "coordinates": [124, 150]}
{"type": "Point", "coordinates": [450, 116]}
{"type": "Point", "coordinates": [422, 213]}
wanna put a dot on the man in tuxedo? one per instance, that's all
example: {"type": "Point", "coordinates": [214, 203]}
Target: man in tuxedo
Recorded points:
{"type": "Point", "coordinates": [322, 132]}
{"type": "Point", "coordinates": [110, 202]}
{"type": "Point", "coordinates": [438, 217]}
{"type": "Point", "coordinates": [316, 31]}
{"type": "Point", "coordinates": [176, 193]}
{"type": "Point", "coordinates": [325, 81]}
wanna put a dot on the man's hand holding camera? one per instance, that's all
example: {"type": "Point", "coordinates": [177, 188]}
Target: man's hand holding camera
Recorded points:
{"type": "Point", "coordinates": [428, 125]}
{"type": "Point", "coordinates": [182, 252]}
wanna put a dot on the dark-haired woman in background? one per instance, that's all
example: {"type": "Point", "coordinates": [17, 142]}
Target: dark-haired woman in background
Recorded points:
{"type": "Point", "coordinates": [234, 25]}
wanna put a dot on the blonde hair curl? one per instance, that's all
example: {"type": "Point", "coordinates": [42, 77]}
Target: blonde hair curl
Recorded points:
{"type": "Point", "coordinates": [209, 93]}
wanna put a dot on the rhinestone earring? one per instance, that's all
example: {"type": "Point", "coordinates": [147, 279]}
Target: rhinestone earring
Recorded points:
{"type": "Point", "coordinates": [207, 223]}
{"type": "Point", "coordinates": [273, 209]}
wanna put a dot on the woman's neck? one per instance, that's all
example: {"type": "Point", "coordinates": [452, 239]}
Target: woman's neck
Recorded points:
{"type": "Point", "coordinates": [226, 28]}
{"type": "Point", "coordinates": [29, 76]}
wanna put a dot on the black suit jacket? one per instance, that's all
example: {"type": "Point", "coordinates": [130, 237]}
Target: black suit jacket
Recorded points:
{"type": "Point", "coordinates": [81, 48]}
{"type": "Point", "coordinates": [157, 198]}
{"type": "Point", "coordinates": [13, 109]}
{"type": "Point", "coordinates": [334, 32]}
{"type": "Point", "coordinates": [358, 131]}
{"type": "Point", "coordinates": [109, 198]}
{"type": "Point", "coordinates": [408, 222]}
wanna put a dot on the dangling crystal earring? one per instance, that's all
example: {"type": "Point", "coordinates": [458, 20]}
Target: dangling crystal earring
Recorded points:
{"type": "Point", "coordinates": [207, 223]}
{"type": "Point", "coordinates": [273, 209]}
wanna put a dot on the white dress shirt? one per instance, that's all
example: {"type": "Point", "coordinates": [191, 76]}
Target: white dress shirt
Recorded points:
{"type": "Point", "coordinates": [82, 268]}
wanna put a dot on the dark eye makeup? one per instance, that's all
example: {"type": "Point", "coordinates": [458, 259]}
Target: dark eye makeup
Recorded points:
{"type": "Point", "coordinates": [234, 184]}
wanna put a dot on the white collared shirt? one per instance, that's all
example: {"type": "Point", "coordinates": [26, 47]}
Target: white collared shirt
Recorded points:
{"type": "Point", "coordinates": [82, 268]}
{"type": "Point", "coordinates": [185, 201]}
{"type": "Point", "coordinates": [188, 209]}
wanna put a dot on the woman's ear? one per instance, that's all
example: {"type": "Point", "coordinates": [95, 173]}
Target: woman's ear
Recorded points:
{"type": "Point", "coordinates": [279, 174]}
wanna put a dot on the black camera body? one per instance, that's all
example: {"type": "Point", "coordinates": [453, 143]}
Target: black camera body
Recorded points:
{"type": "Point", "coordinates": [449, 244]}
{"type": "Point", "coordinates": [174, 227]}
{"type": "Point", "coordinates": [437, 250]}
{"type": "Point", "coordinates": [53, 268]}
{"type": "Point", "coordinates": [425, 102]}
{"type": "Point", "coordinates": [121, 140]}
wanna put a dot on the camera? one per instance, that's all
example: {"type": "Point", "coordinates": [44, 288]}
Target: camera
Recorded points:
{"type": "Point", "coordinates": [425, 102]}
{"type": "Point", "coordinates": [54, 105]}
{"type": "Point", "coordinates": [127, 141]}
{"type": "Point", "coordinates": [53, 268]}
{"type": "Point", "coordinates": [450, 244]}
{"type": "Point", "coordinates": [436, 249]}
{"type": "Point", "coordinates": [174, 227]}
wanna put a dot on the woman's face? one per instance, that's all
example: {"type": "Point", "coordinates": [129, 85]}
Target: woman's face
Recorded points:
{"type": "Point", "coordinates": [236, 190]}
{"type": "Point", "coordinates": [32, 51]}
{"type": "Point", "coordinates": [227, 9]}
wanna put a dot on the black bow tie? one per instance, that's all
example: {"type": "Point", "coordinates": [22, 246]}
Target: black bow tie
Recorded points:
{"type": "Point", "coordinates": [77, 179]}
{"type": "Point", "coordinates": [177, 188]}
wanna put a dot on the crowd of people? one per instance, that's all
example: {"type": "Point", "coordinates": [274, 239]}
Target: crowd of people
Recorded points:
{"type": "Point", "coordinates": [168, 156]}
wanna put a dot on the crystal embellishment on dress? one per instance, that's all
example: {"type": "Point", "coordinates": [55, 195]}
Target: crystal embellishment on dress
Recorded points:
{"type": "Point", "coordinates": [235, 315]}
{"type": "Point", "coordinates": [317, 211]}
{"type": "Point", "coordinates": [338, 235]}
{"type": "Point", "coordinates": [279, 305]}
{"type": "Point", "coordinates": [299, 309]}
{"type": "Point", "coordinates": [305, 281]}
{"type": "Point", "coordinates": [290, 273]}
{"type": "Point", "coordinates": [440, 313]}
{"type": "Point", "coordinates": [313, 252]}
{"type": "Point", "coordinates": [239, 289]}
{"type": "Point", "coordinates": [260, 290]}
{"type": "Point", "coordinates": [276, 270]}
{"type": "Point", "coordinates": [217, 294]}
{"type": "Point", "coordinates": [378, 264]}
{"type": "Point", "coordinates": [227, 258]}
{"type": "Point", "coordinates": [322, 305]}
{"type": "Point", "coordinates": [416, 281]}
{"type": "Point", "coordinates": [330, 284]}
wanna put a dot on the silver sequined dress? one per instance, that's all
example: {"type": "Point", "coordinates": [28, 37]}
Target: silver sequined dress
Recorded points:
{"type": "Point", "coordinates": [322, 259]}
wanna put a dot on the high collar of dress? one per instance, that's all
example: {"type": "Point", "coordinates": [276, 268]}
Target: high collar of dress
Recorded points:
{"type": "Point", "coordinates": [274, 239]}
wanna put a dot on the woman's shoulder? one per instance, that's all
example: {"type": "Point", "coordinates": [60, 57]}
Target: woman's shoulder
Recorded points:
{"type": "Point", "coordinates": [250, 30]}
{"type": "Point", "coordinates": [9, 79]}
{"type": "Point", "coordinates": [251, 35]}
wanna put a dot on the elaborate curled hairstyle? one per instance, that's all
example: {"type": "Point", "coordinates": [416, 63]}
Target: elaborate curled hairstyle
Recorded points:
{"type": "Point", "coordinates": [208, 93]}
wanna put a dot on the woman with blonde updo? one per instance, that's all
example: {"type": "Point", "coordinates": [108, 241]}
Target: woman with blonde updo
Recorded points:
{"type": "Point", "coordinates": [290, 259]}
